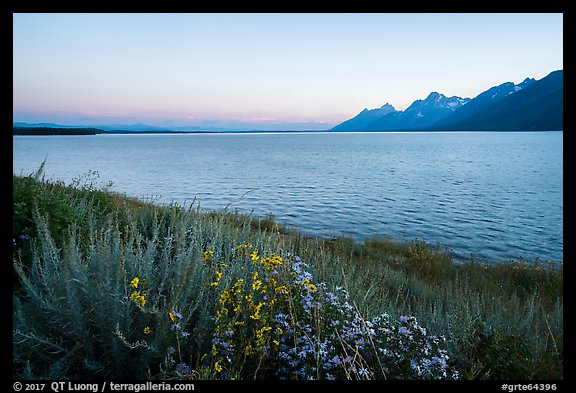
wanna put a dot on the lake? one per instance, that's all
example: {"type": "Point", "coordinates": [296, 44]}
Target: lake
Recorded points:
{"type": "Point", "coordinates": [496, 195]}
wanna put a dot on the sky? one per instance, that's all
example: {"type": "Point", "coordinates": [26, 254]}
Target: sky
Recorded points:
{"type": "Point", "coordinates": [265, 71]}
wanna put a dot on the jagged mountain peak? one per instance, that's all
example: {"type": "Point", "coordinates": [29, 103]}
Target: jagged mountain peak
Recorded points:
{"type": "Point", "coordinates": [434, 96]}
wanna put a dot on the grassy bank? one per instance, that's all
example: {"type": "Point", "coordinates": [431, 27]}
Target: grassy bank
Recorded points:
{"type": "Point", "coordinates": [109, 286]}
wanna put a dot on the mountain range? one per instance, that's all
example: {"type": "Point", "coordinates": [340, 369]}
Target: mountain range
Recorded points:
{"type": "Point", "coordinates": [531, 105]}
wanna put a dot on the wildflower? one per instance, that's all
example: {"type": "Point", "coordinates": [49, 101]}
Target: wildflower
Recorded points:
{"type": "Point", "coordinates": [224, 297]}
{"type": "Point", "coordinates": [218, 367]}
{"type": "Point", "coordinates": [254, 256]}
{"type": "Point", "coordinates": [175, 316]}
{"type": "Point", "coordinates": [256, 314]}
{"type": "Point", "coordinates": [138, 299]}
{"type": "Point", "coordinates": [183, 370]}
{"type": "Point", "coordinates": [404, 331]}
{"type": "Point", "coordinates": [147, 330]}
{"type": "Point", "coordinates": [208, 255]}
{"type": "Point", "coordinates": [281, 289]}
{"type": "Point", "coordinates": [256, 285]}
{"type": "Point", "coordinates": [312, 288]}
{"type": "Point", "coordinates": [24, 237]}
{"type": "Point", "coordinates": [218, 277]}
{"type": "Point", "coordinates": [243, 248]}
{"type": "Point", "coordinates": [134, 282]}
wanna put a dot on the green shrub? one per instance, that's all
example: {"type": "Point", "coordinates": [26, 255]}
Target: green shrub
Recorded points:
{"type": "Point", "coordinates": [78, 314]}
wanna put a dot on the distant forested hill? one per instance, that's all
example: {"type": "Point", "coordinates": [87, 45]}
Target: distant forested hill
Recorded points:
{"type": "Point", "coordinates": [55, 131]}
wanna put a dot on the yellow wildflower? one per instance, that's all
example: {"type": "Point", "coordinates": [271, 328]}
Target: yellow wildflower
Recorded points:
{"type": "Point", "coordinates": [260, 339]}
{"type": "Point", "coordinates": [138, 299]}
{"type": "Point", "coordinates": [134, 282]}
{"type": "Point", "coordinates": [147, 330]}
{"type": "Point", "coordinates": [281, 289]}
{"type": "Point", "coordinates": [254, 256]}
{"type": "Point", "coordinates": [208, 255]}
{"type": "Point", "coordinates": [224, 297]}
{"type": "Point", "coordinates": [256, 285]}
{"type": "Point", "coordinates": [312, 288]}
{"type": "Point", "coordinates": [218, 277]}
{"type": "Point", "coordinates": [243, 248]}
{"type": "Point", "coordinates": [276, 342]}
{"type": "Point", "coordinates": [218, 367]}
{"type": "Point", "coordinates": [172, 317]}
{"type": "Point", "coordinates": [256, 314]}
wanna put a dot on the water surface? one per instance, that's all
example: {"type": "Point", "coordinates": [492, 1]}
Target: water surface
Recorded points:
{"type": "Point", "coordinates": [497, 195]}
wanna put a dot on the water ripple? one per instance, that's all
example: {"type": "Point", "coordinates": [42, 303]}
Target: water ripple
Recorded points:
{"type": "Point", "coordinates": [485, 198]}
